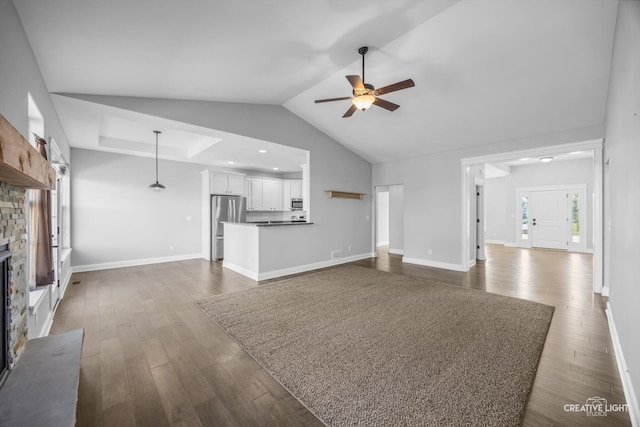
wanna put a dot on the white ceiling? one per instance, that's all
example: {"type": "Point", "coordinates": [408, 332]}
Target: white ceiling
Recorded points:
{"type": "Point", "coordinates": [485, 70]}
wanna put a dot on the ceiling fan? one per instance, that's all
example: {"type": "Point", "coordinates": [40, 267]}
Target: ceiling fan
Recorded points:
{"type": "Point", "coordinates": [365, 94]}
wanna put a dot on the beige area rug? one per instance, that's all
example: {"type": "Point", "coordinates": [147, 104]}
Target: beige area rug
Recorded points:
{"type": "Point", "coordinates": [358, 346]}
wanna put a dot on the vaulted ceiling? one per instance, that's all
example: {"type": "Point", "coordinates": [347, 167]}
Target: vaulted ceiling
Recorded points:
{"type": "Point", "coordinates": [485, 71]}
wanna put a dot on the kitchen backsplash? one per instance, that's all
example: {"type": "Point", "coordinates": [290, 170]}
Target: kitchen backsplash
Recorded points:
{"type": "Point", "coordinates": [254, 216]}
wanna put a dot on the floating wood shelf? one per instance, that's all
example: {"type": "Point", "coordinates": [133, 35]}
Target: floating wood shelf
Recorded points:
{"type": "Point", "coordinates": [20, 163]}
{"type": "Point", "coordinates": [345, 194]}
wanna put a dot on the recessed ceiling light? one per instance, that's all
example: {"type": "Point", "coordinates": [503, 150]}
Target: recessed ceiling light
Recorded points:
{"type": "Point", "coordinates": [231, 163]}
{"type": "Point", "coordinates": [525, 159]}
{"type": "Point", "coordinates": [262, 151]}
{"type": "Point", "coordinates": [576, 152]}
{"type": "Point", "coordinates": [546, 159]}
{"type": "Point", "coordinates": [275, 169]}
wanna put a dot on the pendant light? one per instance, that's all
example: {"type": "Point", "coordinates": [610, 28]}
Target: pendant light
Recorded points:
{"type": "Point", "coordinates": [157, 187]}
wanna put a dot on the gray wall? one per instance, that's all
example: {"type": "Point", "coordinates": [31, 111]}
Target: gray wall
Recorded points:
{"type": "Point", "coordinates": [432, 193]}
{"type": "Point", "coordinates": [571, 172]}
{"type": "Point", "coordinates": [338, 223]}
{"type": "Point", "coordinates": [117, 218]}
{"type": "Point", "coordinates": [622, 202]}
{"type": "Point", "coordinates": [495, 209]}
{"type": "Point", "coordinates": [19, 76]}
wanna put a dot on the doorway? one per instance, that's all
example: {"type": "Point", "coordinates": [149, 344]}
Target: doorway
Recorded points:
{"type": "Point", "coordinates": [389, 218]}
{"type": "Point", "coordinates": [518, 224]}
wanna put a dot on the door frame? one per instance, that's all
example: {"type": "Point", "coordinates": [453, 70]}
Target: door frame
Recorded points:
{"type": "Point", "coordinates": [573, 188]}
{"type": "Point", "coordinates": [468, 185]}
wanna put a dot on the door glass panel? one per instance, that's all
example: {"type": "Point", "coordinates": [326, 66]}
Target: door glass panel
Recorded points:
{"type": "Point", "coordinates": [575, 218]}
{"type": "Point", "coordinates": [524, 200]}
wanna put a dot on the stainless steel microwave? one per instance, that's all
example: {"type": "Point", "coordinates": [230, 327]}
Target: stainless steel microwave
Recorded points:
{"type": "Point", "coordinates": [296, 204]}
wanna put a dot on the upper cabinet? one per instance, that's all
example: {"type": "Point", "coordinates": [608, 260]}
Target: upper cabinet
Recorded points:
{"type": "Point", "coordinates": [271, 195]}
{"type": "Point", "coordinates": [292, 189]}
{"type": "Point", "coordinates": [254, 194]}
{"type": "Point", "coordinates": [227, 183]}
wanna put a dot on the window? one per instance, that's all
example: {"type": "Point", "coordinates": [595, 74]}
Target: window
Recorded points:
{"type": "Point", "coordinates": [524, 209]}
{"type": "Point", "coordinates": [575, 218]}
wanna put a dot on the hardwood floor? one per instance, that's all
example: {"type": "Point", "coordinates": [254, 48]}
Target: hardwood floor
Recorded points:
{"type": "Point", "coordinates": [150, 357]}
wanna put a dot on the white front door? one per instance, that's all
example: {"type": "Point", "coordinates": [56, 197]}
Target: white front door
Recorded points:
{"type": "Point", "coordinates": [548, 219]}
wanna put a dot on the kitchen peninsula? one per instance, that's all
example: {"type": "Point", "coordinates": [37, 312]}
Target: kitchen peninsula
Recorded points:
{"type": "Point", "coordinates": [267, 249]}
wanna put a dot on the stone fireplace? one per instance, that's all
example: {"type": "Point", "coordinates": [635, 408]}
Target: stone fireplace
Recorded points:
{"type": "Point", "coordinates": [21, 168]}
{"type": "Point", "coordinates": [12, 239]}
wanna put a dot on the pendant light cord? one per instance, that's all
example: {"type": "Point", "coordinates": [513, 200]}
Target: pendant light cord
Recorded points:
{"type": "Point", "coordinates": [157, 132]}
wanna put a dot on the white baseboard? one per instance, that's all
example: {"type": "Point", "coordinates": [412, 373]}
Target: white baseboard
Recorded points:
{"type": "Point", "coordinates": [436, 264]}
{"type": "Point", "coordinates": [605, 291]}
{"type": "Point", "coordinates": [385, 243]}
{"type": "Point", "coordinates": [133, 263]}
{"type": "Point", "coordinates": [241, 270]}
{"type": "Point", "coordinates": [513, 245]}
{"type": "Point", "coordinates": [294, 270]}
{"type": "Point", "coordinates": [627, 385]}
{"type": "Point", "coordinates": [494, 242]}
{"type": "Point", "coordinates": [396, 251]}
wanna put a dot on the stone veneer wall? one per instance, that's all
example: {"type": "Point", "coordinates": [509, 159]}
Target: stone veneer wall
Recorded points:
{"type": "Point", "coordinates": [13, 228]}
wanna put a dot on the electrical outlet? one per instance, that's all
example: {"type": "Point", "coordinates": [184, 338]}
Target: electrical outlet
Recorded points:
{"type": "Point", "coordinates": [336, 254]}
{"type": "Point", "coordinates": [171, 248]}
{"type": "Point", "coordinates": [349, 248]}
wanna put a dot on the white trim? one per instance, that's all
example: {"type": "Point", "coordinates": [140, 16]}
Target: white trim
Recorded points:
{"type": "Point", "coordinates": [65, 282]}
{"type": "Point", "coordinates": [627, 385]}
{"type": "Point", "coordinates": [240, 270]}
{"type": "Point", "coordinates": [592, 144]}
{"type": "Point", "coordinates": [46, 328]}
{"type": "Point", "coordinates": [382, 243]}
{"type": "Point", "coordinates": [133, 263]}
{"type": "Point", "coordinates": [605, 291]}
{"type": "Point", "coordinates": [294, 270]}
{"type": "Point", "coordinates": [436, 264]}
{"type": "Point", "coordinates": [495, 242]}
{"type": "Point", "coordinates": [36, 297]}
{"type": "Point", "coordinates": [598, 219]}
{"type": "Point", "coordinates": [512, 245]}
{"type": "Point", "coordinates": [396, 251]}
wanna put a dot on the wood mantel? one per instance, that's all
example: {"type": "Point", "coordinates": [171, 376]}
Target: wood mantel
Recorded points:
{"type": "Point", "coordinates": [20, 163]}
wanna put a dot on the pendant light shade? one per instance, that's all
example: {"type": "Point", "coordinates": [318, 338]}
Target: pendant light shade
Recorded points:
{"type": "Point", "coordinates": [156, 186]}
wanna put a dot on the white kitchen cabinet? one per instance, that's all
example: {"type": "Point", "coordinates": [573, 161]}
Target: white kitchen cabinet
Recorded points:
{"type": "Point", "coordinates": [296, 188]}
{"type": "Point", "coordinates": [271, 195]}
{"type": "Point", "coordinates": [227, 183]}
{"type": "Point", "coordinates": [254, 199]}
{"type": "Point", "coordinates": [292, 189]}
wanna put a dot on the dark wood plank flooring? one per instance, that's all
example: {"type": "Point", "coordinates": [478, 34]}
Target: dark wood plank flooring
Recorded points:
{"type": "Point", "coordinates": [151, 358]}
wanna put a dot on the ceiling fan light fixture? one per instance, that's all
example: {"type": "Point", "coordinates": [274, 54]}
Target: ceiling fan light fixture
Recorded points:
{"type": "Point", "coordinates": [362, 102]}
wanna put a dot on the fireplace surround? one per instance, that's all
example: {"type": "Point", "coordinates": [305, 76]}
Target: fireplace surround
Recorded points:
{"type": "Point", "coordinates": [21, 167]}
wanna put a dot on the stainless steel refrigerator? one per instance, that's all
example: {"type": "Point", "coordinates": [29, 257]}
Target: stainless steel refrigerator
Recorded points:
{"type": "Point", "coordinates": [224, 208]}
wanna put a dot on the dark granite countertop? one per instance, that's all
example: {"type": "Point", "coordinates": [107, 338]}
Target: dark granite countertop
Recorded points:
{"type": "Point", "coordinates": [277, 223]}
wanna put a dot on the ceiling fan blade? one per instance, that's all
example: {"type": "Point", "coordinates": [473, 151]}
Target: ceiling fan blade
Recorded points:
{"type": "Point", "coordinates": [350, 111]}
{"type": "Point", "coordinates": [356, 82]}
{"type": "Point", "coordinates": [394, 87]}
{"type": "Point", "coordinates": [332, 99]}
{"type": "Point", "coordinates": [386, 104]}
